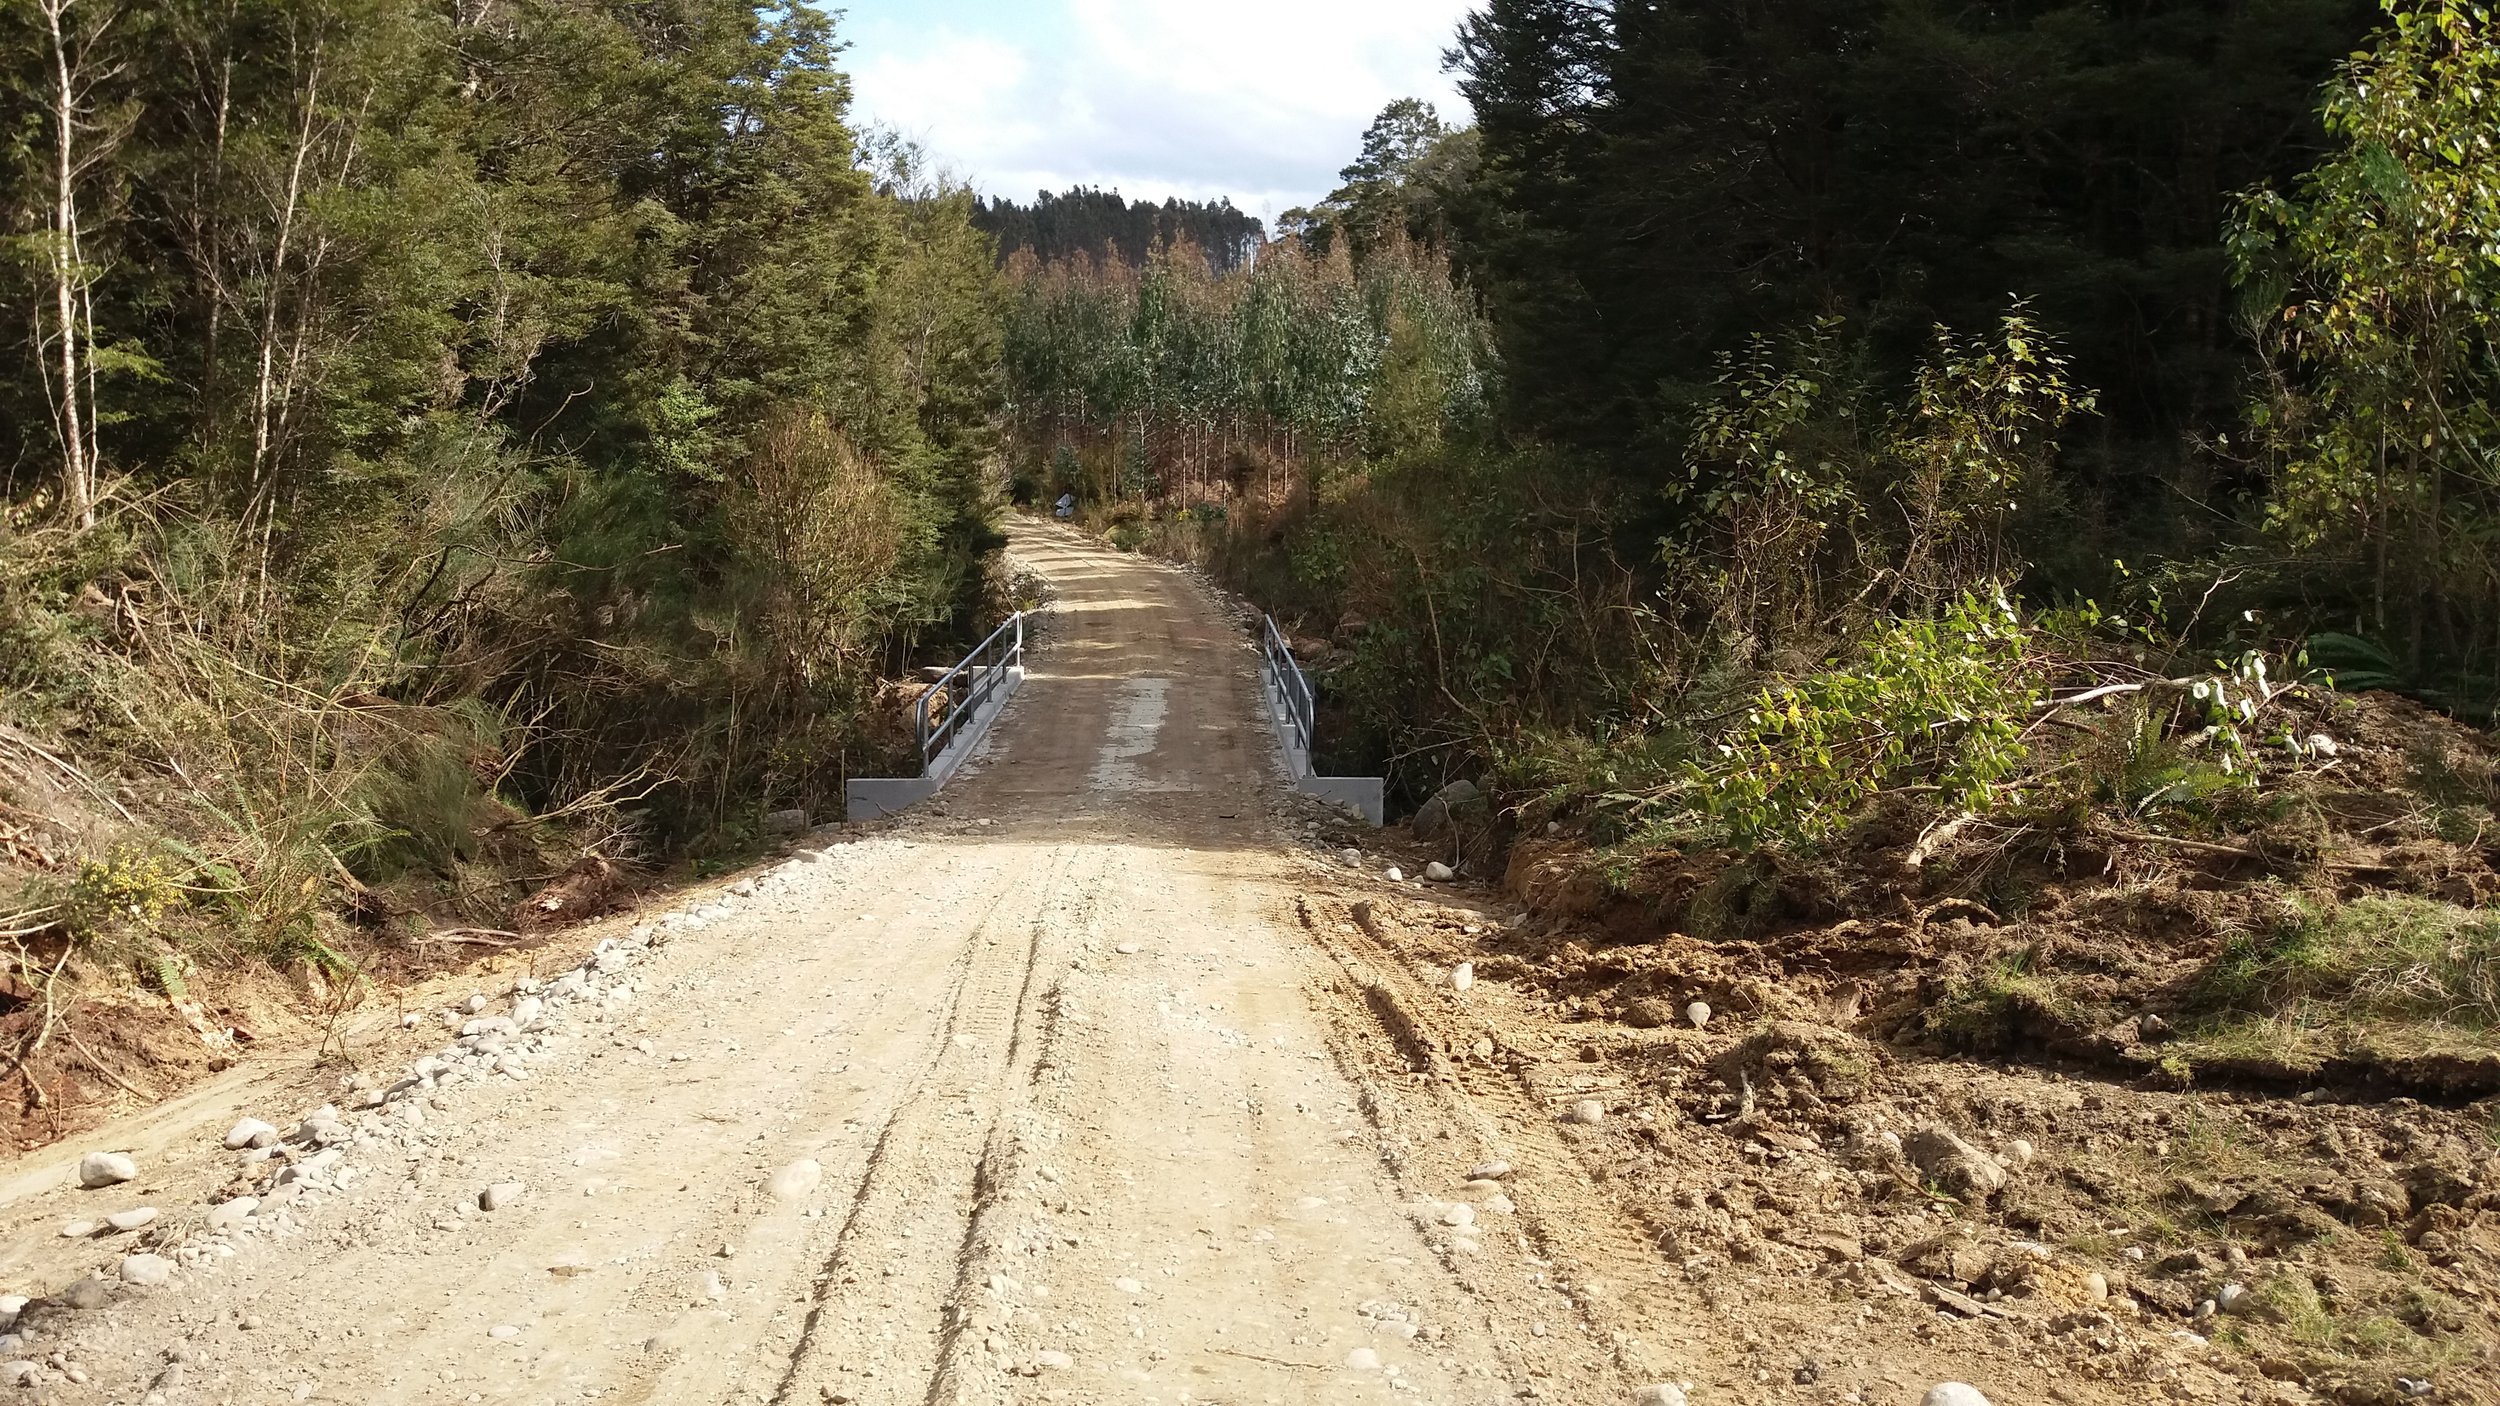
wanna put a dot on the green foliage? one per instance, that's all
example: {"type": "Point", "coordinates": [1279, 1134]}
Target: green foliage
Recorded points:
{"type": "Point", "coordinates": [1937, 702]}
{"type": "Point", "coordinates": [514, 416]}
{"type": "Point", "coordinates": [2375, 291]}
{"type": "Point", "coordinates": [1659, 182]}
{"type": "Point", "coordinates": [1180, 380]}
{"type": "Point", "coordinates": [129, 889]}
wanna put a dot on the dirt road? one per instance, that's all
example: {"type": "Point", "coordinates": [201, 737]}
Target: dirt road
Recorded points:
{"type": "Point", "coordinates": [1048, 1093]}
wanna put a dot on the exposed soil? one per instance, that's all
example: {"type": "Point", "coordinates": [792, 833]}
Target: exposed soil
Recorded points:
{"type": "Point", "coordinates": [2047, 1005]}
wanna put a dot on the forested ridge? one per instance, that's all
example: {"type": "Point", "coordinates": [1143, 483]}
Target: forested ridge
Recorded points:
{"type": "Point", "coordinates": [1103, 225]}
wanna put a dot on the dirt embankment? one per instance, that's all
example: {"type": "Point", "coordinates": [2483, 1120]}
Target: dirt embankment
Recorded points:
{"type": "Point", "coordinates": [2211, 1117]}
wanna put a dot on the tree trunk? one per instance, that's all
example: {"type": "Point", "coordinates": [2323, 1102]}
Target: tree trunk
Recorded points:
{"type": "Point", "coordinates": [73, 408]}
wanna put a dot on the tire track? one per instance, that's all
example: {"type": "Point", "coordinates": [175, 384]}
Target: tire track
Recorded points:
{"type": "Point", "coordinates": [1605, 1260]}
{"type": "Point", "coordinates": [881, 1321]}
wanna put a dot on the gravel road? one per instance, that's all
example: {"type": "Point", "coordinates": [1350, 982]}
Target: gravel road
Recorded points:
{"type": "Point", "coordinates": [1048, 1093]}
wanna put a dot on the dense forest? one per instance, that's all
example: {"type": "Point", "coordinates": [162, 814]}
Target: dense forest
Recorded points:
{"type": "Point", "coordinates": [1103, 225]}
{"type": "Point", "coordinates": [427, 429]}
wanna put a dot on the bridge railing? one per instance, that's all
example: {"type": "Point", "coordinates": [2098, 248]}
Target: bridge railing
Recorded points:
{"type": "Point", "coordinates": [1287, 685]}
{"type": "Point", "coordinates": [980, 676]}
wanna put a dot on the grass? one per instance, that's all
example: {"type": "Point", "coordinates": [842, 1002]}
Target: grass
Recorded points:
{"type": "Point", "coordinates": [1985, 1009]}
{"type": "Point", "coordinates": [2388, 976]}
{"type": "Point", "coordinates": [2386, 956]}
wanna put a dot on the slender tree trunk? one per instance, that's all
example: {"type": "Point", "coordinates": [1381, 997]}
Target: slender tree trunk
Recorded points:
{"type": "Point", "coordinates": [73, 406]}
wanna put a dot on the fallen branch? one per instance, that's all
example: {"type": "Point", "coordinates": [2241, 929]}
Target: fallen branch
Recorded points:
{"type": "Point", "coordinates": [43, 1032]}
{"type": "Point", "coordinates": [473, 937]}
{"type": "Point", "coordinates": [1937, 836]}
{"type": "Point", "coordinates": [28, 744]}
{"type": "Point", "coordinates": [123, 1084]}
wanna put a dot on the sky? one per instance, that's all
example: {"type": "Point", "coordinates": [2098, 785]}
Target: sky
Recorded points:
{"type": "Point", "coordinates": [1262, 103]}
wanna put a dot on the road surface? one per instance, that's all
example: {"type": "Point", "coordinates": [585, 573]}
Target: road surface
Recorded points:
{"type": "Point", "coordinates": [1053, 1092]}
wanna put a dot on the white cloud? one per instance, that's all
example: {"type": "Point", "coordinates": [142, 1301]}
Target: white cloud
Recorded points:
{"type": "Point", "coordinates": [1161, 97]}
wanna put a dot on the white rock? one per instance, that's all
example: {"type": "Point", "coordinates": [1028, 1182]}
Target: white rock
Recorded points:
{"type": "Point", "coordinates": [1698, 1013]}
{"type": "Point", "coordinates": [1439, 872]}
{"type": "Point", "coordinates": [1126, 949]}
{"type": "Point", "coordinates": [504, 1332]}
{"type": "Point", "coordinates": [2230, 1297]}
{"type": "Point", "coordinates": [241, 1134]}
{"type": "Point", "coordinates": [1128, 1286]}
{"type": "Point", "coordinates": [146, 1271]}
{"type": "Point", "coordinates": [1459, 1214]}
{"type": "Point", "coordinates": [79, 1229]}
{"type": "Point", "coordinates": [527, 1010]}
{"type": "Point", "coordinates": [1588, 1112]}
{"type": "Point", "coordinates": [500, 1195]}
{"type": "Point", "coordinates": [1488, 1171]}
{"type": "Point", "coordinates": [1362, 1359]}
{"type": "Point", "coordinates": [1050, 1361]}
{"type": "Point", "coordinates": [475, 1003]}
{"type": "Point", "coordinates": [1395, 875]}
{"type": "Point", "coordinates": [1953, 1394]}
{"type": "Point", "coordinates": [226, 1215]}
{"type": "Point", "coordinates": [796, 1181]}
{"type": "Point", "coordinates": [138, 1217]}
{"type": "Point", "coordinates": [1659, 1394]}
{"type": "Point", "coordinates": [2020, 1152]}
{"type": "Point", "coordinates": [106, 1169]}
{"type": "Point", "coordinates": [1462, 976]}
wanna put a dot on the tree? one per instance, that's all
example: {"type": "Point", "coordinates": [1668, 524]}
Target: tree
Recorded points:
{"type": "Point", "coordinates": [1661, 181]}
{"type": "Point", "coordinates": [81, 63]}
{"type": "Point", "coordinates": [2376, 296]}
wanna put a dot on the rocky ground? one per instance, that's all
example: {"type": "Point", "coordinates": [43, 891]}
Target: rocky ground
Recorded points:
{"type": "Point", "coordinates": [1115, 1078]}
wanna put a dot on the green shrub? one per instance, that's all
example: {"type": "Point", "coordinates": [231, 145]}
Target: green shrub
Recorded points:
{"type": "Point", "coordinates": [1938, 702]}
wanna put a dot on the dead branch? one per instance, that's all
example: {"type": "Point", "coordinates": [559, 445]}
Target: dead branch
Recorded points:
{"type": "Point", "coordinates": [99, 1066]}
{"type": "Point", "coordinates": [473, 937]}
{"type": "Point", "coordinates": [22, 741]}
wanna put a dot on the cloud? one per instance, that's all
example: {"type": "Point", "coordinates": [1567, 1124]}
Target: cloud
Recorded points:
{"type": "Point", "coordinates": [1155, 97]}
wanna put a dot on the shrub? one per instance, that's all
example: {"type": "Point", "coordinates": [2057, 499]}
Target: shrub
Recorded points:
{"type": "Point", "coordinates": [1937, 702]}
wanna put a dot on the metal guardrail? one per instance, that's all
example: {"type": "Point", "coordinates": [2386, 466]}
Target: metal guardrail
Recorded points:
{"type": "Point", "coordinates": [981, 670]}
{"type": "Point", "coordinates": [1286, 682]}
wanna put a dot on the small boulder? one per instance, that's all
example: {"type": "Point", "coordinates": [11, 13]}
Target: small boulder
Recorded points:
{"type": "Point", "coordinates": [1953, 1163]}
{"type": "Point", "coordinates": [796, 1181]}
{"type": "Point", "coordinates": [242, 1134]}
{"type": "Point", "coordinates": [1588, 1113]}
{"type": "Point", "coordinates": [500, 1195]}
{"type": "Point", "coordinates": [1659, 1394]}
{"type": "Point", "coordinates": [1439, 873]}
{"type": "Point", "coordinates": [1953, 1394]}
{"type": "Point", "coordinates": [146, 1271]}
{"type": "Point", "coordinates": [1463, 976]}
{"type": "Point", "coordinates": [1441, 814]}
{"type": "Point", "coordinates": [106, 1169]}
